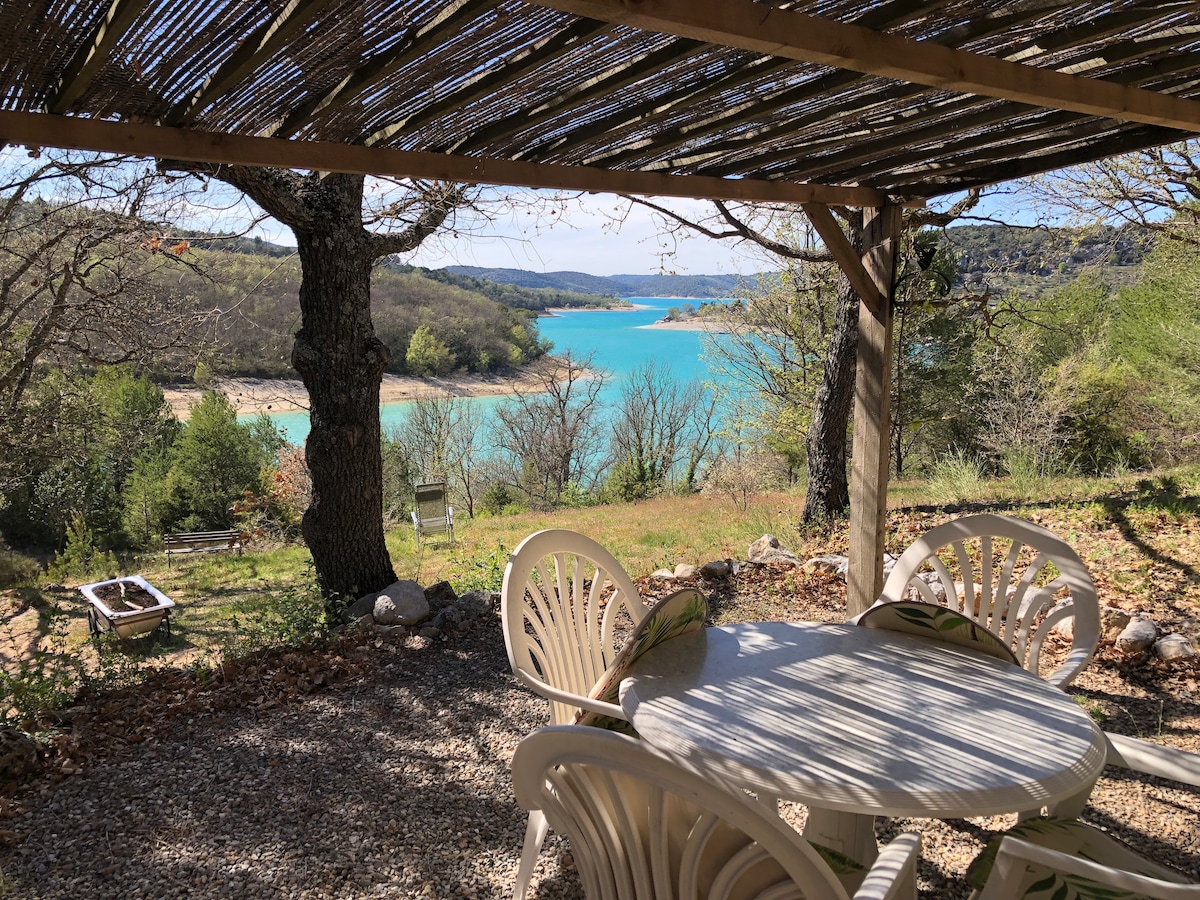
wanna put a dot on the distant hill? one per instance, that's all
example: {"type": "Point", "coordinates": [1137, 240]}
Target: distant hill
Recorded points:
{"type": "Point", "coordinates": [1002, 259]}
{"type": "Point", "coordinates": [700, 286]}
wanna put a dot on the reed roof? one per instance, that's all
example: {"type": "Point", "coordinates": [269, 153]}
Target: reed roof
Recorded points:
{"type": "Point", "coordinates": [828, 100]}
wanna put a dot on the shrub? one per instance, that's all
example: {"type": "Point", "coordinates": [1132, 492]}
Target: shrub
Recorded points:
{"type": "Point", "coordinates": [956, 477]}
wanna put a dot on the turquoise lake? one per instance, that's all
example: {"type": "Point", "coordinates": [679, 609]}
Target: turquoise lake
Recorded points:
{"type": "Point", "coordinates": [620, 346]}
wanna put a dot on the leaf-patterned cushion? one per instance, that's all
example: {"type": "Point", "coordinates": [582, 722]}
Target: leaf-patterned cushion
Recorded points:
{"type": "Point", "coordinates": [675, 614]}
{"type": "Point", "coordinates": [1076, 838]}
{"type": "Point", "coordinates": [940, 622]}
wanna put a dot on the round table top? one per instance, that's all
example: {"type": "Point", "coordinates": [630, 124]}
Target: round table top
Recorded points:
{"type": "Point", "coordinates": [863, 720]}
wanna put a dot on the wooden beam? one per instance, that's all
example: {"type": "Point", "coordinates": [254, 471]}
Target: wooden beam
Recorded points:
{"type": "Point", "coordinates": [91, 57]}
{"type": "Point", "coordinates": [249, 55]}
{"type": "Point", "coordinates": [754, 26]}
{"type": "Point", "coordinates": [844, 253]}
{"type": "Point", "coordinates": [870, 458]}
{"type": "Point", "coordinates": [43, 130]}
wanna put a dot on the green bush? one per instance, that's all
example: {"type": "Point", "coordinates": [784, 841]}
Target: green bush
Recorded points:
{"type": "Point", "coordinates": [80, 558]}
{"type": "Point", "coordinates": [482, 572]}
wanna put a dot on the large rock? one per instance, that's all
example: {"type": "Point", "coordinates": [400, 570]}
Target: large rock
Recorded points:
{"type": "Point", "coordinates": [765, 544]}
{"type": "Point", "coordinates": [718, 568]}
{"type": "Point", "coordinates": [1174, 646]}
{"type": "Point", "coordinates": [401, 603]}
{"type": "Point", "coordinates": [684, 571]}
{"type": "Point", "coordinates": [1138, 636]}
{"type": "Point", "coordinates": [831, 564]}
{"type": "Point", "coordinates": [767, 549]}
{"type": "Point", "coordinates": [440, 596]}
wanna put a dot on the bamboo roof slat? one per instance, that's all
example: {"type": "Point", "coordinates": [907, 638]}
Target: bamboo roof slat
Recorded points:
{"type": "Point", "coordinates": [663, 87]}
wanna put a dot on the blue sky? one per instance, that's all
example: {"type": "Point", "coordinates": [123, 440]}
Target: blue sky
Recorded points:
{"type": "Point", "coordinates": [585, 238]}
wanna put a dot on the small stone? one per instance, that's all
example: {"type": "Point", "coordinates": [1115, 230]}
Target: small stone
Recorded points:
{"type": "Point", "coordinates": [1174, 646]}
{"type": "Point", "coordinates": [1137, 637]}
{"type": "Point", "coordinates": [663, 575]}
{"type": "Point", "coordinates": [684, 570]}
{"type": "Point", "coordinates": [718, 568]}
{"type": "Point", "coordinates": [1112, 623]}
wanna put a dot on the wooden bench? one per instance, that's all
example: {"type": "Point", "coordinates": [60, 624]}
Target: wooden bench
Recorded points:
{"type": "Point", "coordinates": [202, 542]}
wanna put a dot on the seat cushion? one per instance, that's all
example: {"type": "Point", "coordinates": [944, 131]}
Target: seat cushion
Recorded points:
{"type": "Point", "coordinates": [940, 622]}
{"type": "Point", "coordinates": [676, 614]}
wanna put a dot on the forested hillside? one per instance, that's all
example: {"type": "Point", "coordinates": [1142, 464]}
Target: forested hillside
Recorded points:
{"type": "Point", "coordinates": [247, 315]}
{"type": "Point", "coordinates": [510, 294]}
{"type": "Point", "coordinates": [1001, 258]}
{"type": "Point", "coordinates": [699, 286]}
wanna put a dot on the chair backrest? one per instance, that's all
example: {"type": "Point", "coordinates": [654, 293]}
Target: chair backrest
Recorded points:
{"type": "Point", "coordinates": [1027, 870]}
{"type": "Point", "coordinates": [641, 826]}
{"type": "Point", "coordinates": [563, 605]}
{"type": "Point", "coordinates": [938, 622]}
{"type": "Point", "coordinates": [1003, 573]}
{"type": "Point", "coordinates": [678, 613]}
{"type": "Point", "coordinates": [432, 506]}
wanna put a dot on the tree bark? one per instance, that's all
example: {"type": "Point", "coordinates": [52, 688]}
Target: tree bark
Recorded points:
{"type": "Point", "coordinates": [341, 362]}
{"type": "Point", "coordinates": [828, 495]}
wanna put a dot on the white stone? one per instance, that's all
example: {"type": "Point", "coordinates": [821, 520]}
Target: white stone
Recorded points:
{"type": "Point", "coordinates": [663, 575]}
{"type": "Point", "coordinates": [1174, 646]}
{"type": "Point", "coordinates": [763, 545]}
{"type": "Point", "coordinates": [831, 563]}
{"type": "Point", "coordinates": [684, 570]}
{"type": "Point", "coordinates": [401, 603]}
{"type": "Point", "coordinates": [1138, 636]}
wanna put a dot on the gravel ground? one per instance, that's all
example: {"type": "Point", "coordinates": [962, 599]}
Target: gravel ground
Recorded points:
{"type": "Point", "coordinates": [381, 769]}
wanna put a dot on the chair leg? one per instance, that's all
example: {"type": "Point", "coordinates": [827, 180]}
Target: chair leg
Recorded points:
{"type": "Point", "coordinates": [535, 835]}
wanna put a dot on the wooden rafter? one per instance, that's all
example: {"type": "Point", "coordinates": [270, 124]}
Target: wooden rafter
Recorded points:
{"type": "Point", "coordinates": [655, 108]}
{"type": "Point", "coordinates": [483, 83]}
{"type": "Point", "coordinates": [41, 129]}
{"type": "Point", "coordinates": [752, 26]}
{"type": "Point", "coordinates": [425, 36]}
{"type": "Point", "coordinates": [689, 134]}
{"type": "Point", "coordinates": [253, 52]}
{"type": "Point", "coordinates": [93, 53]}
{"type": "Point", "coordinates": [928, 184]}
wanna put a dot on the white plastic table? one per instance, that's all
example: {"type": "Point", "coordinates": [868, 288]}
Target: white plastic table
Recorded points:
{"type": "Point", "coordinates": [858, 722]}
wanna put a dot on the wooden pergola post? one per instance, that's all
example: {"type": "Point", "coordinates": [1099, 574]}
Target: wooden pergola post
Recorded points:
{"type": "Point", "coordinates": [872, 410]}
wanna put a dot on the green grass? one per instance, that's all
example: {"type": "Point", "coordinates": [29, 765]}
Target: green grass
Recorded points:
{"type": "Point", "coordinates": [1138, 533]}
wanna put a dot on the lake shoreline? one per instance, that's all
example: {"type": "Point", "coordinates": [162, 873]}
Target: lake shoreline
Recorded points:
{"type": "Point", "coordinates": [251, 396]}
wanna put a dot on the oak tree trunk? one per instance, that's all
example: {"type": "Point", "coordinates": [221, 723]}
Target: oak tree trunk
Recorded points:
{"type": "Point", "coordinates": [827, 443]}
{"type": "Point", "coordinates": [342, 362]}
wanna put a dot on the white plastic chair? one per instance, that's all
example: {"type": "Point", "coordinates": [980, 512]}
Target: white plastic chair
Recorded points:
{"type": "Point", "coordinates": [562, 604]}
{"type": "Point", "coordinates": [1140, 755]}
{"type": "Point", "coordinates": [996, 570]}
{"type": "Point", "coordinates": [641, 826]}
{"type": "Point", "coordinates": [1036, 869]}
